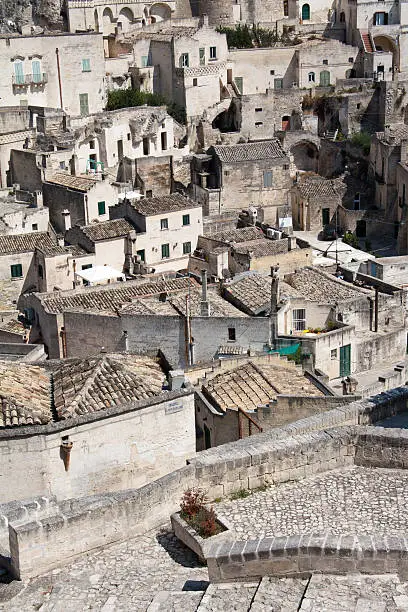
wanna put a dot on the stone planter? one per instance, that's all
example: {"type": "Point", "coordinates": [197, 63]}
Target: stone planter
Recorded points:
{"type": "Point", "coordinates": [186, 534]}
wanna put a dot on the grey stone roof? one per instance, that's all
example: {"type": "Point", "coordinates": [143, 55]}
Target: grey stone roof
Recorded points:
{"type": "Point", "coordinates": [318, 286]}
{"type": "Point", "coordinates": [163, 204]}
{"type": "Point", "coordinates": [107, 229]}
{"type": "Point", "coordinates": [75, 387]}
{"type": "Point", "coordinates": [262, 247]}
{"type": "Point", "coordinates": [394, 133]}
{"type": "Point", "coordinates": [239, 234]}
{"type": "Point", "coordinates": [251, 151]}
{"type": "Point", "coordinates": [252, 292]}
{"type": "Point", "coordinates": [313, 186]}
{"type": "Point", "coordinates": [79, 183]}
{"type": "Point", "coordinates": [111, 297]}
{"type": "Point", "coordinates": [24, 243]}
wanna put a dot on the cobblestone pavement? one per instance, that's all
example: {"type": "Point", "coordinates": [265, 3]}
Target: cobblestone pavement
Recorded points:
{"type": "Point", "coordinates": [356, 500]}
{"type": "Point", "coordinates": [123, 577]}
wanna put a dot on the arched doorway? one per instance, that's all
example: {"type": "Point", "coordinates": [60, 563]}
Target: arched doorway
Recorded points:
{"type": "Point", "coordinates": [96, 20]}
{"type": "Point", "coordinates": [383, 43]}
{"type": "Point", "coordinates": [305, 156]}
{"type": "Point", "coordinates": [324, 78]}
{"type": "Point", "coordinates": [305, 12]}
{"type": "Point", "coordinates": [285, 123]}
{"type": "Point", "coordinates": [125, 18]}
{"type": "Point", "coordinates": [108, 22]}
{"type": "Point", "coordinates": [160, 12]}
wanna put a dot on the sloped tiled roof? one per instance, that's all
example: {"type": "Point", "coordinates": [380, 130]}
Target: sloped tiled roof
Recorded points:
{"type": "Point", "coordinates": [262, 247]}
{"type": "Point", "coordinates": [79, 183]}
{"type": "Point", "coordinates": [13, 326]}
{"type": "Point", "coordinates": [394, 133]}
{"type": "Point", "coordinates": [25, 243]}
{"type": "Point", "coordinates": [163, 204]}
{"type": "Point", "coordinates": [239, 234]}
{"type": "Point", "coordinates": [318, 286]}
{"type": "Point", "coordinates": [107, 229]}
{"type": "Point", "coordinates": [109, 298]}
{"type": "Point", "coordinates": [251, 151]}
{"type": "Point", "coordinates": [249, 386]}
{"type": "Point", "coordinates": [25, 397]}
{"type": "Point", "coordinates": [99, 383]}
{"type": "Point", "coordinates": [316, 187]}
{"type": "Point", "coordinates": [252, 292]}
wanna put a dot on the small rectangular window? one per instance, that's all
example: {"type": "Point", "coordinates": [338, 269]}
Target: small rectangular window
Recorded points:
{"type": "Point", "coordinates": [83, 104]}
{"type": "Point", "coordinates": [184, 60]}
{"type": "Point", "coordinates": [351, 60]}
{"type": "Point", "coordinates": [278, 83]}
{"type": "Point", "coordinates": [16, 271]}
{"type": "Point", "coordinates": [285, 166]}
{"type": "Point", "coordinates": [202, 56]}
{"type": "Point", "coordinates": [101, 208]}
{"type": "Point", "coordinates": [333, 354]}
{"type": "Point", "coordinates": [144, 61]}
{"type": "Point", "coordinates": [128, 136]}
{"type": "Point", "coordinates": [186, 248]}
{"type": "Point", "coordinates": [164, 224]}
{"type": "Point", "coordinates": [86, 266]}
{"type": "Point", "coordinates": [213, 53]}
{"type": "Point", "coordinates": [258, 123]}
{"type": "Point", "coordinates": [163, 141]}
{"type": "Point", "coordinates": [272, 72]}
{"type": "Point", "coordinates": [86, 65]}
{"type": "Point", "coordinates": [299, 319]}
{"type": "Point", "coordinates": [165, 251]}
{"type": "Point", "coordinates": [146, 146]}
{"type": "Point", "coordinates": [258, 110]}
{"type": "Point", "coordinates": [195, 82]}
{"type": "Point", "coordinates": [40, 271]}
{"type": "Point", "coordinates": [186, 219]}
{"type": "Point", "coordinates": [326, 62]}
{"type": "Point", "coordinates": [34, 227]}
{"type": "Point", "coordinates": [141, 255]}
{"type": "Point", "coordinates": [231, 334]}
{"type": "Point", "coordinates": [267, 178]}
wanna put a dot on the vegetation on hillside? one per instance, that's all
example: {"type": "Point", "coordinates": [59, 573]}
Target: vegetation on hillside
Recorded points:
{"type": "Point", "coordinates": [126, 98]}
{"type": "Point", "coordinates": [248, 37]}
{"type": "Point", "coordinates": [362, 140]}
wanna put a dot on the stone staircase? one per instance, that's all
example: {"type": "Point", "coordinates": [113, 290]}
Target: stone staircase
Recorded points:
{"type": "Point", "coordinates": [367, 43]}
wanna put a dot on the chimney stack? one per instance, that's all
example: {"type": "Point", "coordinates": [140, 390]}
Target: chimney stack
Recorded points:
{"type": "Point", "coordinates": [273, 316]}
{"type": "Point", "coordinates": [205, 305]}
{"type": "Point", "coordinates": [67, 219]}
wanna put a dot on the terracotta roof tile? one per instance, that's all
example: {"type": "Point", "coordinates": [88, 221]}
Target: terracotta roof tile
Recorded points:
{"type": "Point", "coordinates": [163, 204]}
{"type": "Point", "coordinates": [79, 183]}
{"type": "Point", "coordinates": [24, 243]}
{"type": "Point", "coordinates": [107, 229]}
{"type": "Point", "coordinates": [251, 151]}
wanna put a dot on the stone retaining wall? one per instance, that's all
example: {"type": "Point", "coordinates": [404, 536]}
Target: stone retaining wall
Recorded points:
{"type": "Point", "coordinates": [312, 445]}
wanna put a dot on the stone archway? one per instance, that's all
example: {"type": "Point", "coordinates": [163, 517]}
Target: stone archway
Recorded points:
{"type": "Point", "coordinates": [160, 12]}
{"type": "Point", "coordinates": [108, 22]}
{"type": "Point", "coordinates": [384, 43]}
{"type": "Point", "coordinates": [305, 156]}
{"type": "Point", "coordinates": [125, 18]}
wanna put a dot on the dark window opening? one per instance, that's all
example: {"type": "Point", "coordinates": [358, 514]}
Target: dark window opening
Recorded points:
{"type": "Point", "coordinates": [231, 334]}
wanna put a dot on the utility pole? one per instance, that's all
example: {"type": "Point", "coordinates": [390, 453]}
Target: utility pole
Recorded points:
{"type": "Point", "coordinates": [273, 315]}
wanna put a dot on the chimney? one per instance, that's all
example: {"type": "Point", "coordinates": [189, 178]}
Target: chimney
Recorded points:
{"type": "Point", "coordinates": [38, 199]}
{"type": "Point", "coordinates": [203, 21]}
{"type": "Point", "coordinates": [273, 316]}
{"type": "Point", "coordinates": [205, 306]}
{"type": "Point", "coordinates": [67, 219]}
{"type": "Point", "coordinates": [176, 379]}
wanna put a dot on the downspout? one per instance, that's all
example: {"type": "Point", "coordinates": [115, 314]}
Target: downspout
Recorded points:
{"type": "Point", "coordinates": [86, 211]}
{"type": "Point", "coordinates": [59, 77]}
{"type": "Point", "coordinates": [376, 310]}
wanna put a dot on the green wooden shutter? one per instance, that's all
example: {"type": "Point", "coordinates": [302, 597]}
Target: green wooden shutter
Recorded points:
{"type": "Point", "coordinates": [36, 66]}
{"type": "Point", "coordinates": [19, 73]}
{"type": "Point", "coordinates": [83, 104]}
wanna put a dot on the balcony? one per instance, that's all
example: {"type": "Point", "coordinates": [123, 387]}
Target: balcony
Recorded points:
{"type": "Point", "coordinates": [24, 80]}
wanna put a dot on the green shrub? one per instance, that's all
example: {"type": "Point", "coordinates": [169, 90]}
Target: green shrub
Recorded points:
{"type": "Point", "coordinates": [351, 239]}
{"type": "Point", "coordinates": [362, 140]}
{"type": "Point", "coordinates": [241, 494]}
{"type": "Point", "coordinates": [127, 98]}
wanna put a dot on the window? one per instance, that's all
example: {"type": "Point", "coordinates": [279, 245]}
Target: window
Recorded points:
{"type": "Point", "coordinates": [356, 201]}
{"type": "Point", "coordinates": [299, 319]}
{"type": "Point", "coordinates": [271, 72]}
{"type": "Point", "coordinates": [186, 219]}
{"type": "Point", "coordinates": [165, 251]}
{"type": "Point", "coordinates": [380, 19]}
{"type": "Point", "coordinates": [195, 82]}
{"type": "Point", "coordinates": [16, 271]}
{"type": "Point", "coordinates": [18, 73]}
{"type": "Point", "coordinates": [239, 84]}
{"type": "Point", "coordinates": [83, 104]}
{"type": "Point", "coordinates": [36, 68]}
{"type": "Point", "coordinates": [186, 248]}
{"type": "Point", "coordinates": [231, 334]}
{"type": "Point", "coordinates": [91, 144]}
{"type": "Point", "coordinates": [286, 8]}
{"type": "Point", "coordinates": [201, 53]}
{"type": "Point", "coordinates": [326, 62]}
{"type": "Point", "coordinates": [258, 110]}
{"type": "Point", "coordinates": [40, 271]}
{"type": "Point", "coordinates": [149, 193]}
{"type": "Point", "coordinates": [86, 65]}
{"type": "Point", "coordinates": [333, 354]}
{"type": "Point", "coordinates": [101, 208]}
{"type": "Point", "coordinates": [213, 53]}
{"type": "Point", "coordinates": [34, 227]}
{"type": "Point", "coordinates": [164, 224]}
{"type": "Point", "coordinates": [358, 106]}
{"type": "Point", "coordinates": [146, 146]}
{"type": "Point", "coordinates": [184, 60]}
{"type": "Point", "coordinates": [86, 266]}
{"type": "Point", "coordinates": [258, 123]}
{"type": "Point", "coordinates": [226, 173]}
{"type": "Point", "coordinates": [141, 255]}
{"type": "Point", "coordinates": [305, 12]}
{"type": "Point", "coordinates": [144, 61]}
{"type": "Point", "coordinates": [285, 166]}
{"type": "Point", "coordinates": [342, 17]}
{"type": "Point", "coordinates": [278, 83]}
{"type": "Point", "coordinates": [311, 77]}
{"type": "Point", "coordinates": [351, 60]}
{"type": "Point", "coordinates": [128, 136]}
{"type": "Point", "coordinates": [267, 178]}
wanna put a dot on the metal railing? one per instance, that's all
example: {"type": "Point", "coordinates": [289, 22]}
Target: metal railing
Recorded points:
{"type": "Point", "coordinates": [37, 78]}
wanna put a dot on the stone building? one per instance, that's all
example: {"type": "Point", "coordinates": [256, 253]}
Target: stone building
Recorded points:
{"type": "Point", "coordinates": [315, 201]}
{"type": "Point", "coordinates": [242, 175]}
{"type": "Point", "coordinates": [166, 230]}
{"type": "Point", "coordinates": [191, 62]}
{"type": "Point", "coordinates": [19, 214]}
{"type": "Point", "coordinates": [64, 71]}
{"type": "Point", "coordinates": [78, 200]}
{"type": "Point", "coordinates": [91, 425]}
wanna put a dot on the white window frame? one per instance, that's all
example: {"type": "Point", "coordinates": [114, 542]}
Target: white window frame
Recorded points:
{"type": "Point", "coordinates": [299, 319]}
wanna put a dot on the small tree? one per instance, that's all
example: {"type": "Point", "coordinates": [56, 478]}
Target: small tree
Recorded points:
{"type": "Point", "coordinates": [351, 239]}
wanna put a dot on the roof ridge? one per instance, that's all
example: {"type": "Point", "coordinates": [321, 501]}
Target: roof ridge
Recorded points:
{"type": "Point", "coordinates": [90, 378]}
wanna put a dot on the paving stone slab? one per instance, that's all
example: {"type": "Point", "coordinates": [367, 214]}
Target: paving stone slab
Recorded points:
{"type": "Point", "coordinates": [279, 595]}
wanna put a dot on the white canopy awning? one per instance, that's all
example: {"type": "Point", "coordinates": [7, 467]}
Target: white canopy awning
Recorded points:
{"type": "Point", "coordinates": [100, 274]}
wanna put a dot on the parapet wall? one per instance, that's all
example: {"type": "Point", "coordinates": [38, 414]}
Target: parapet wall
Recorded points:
{"type": "Point", "coordinates": [316, 444]}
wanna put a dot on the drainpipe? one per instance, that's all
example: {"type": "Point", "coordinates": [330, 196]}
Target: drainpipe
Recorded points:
{"type": "Point", "coordinates": [205, 306]}
{"type": "Point", "coordinates": [376, 310]}
{"type": "Point", "coordinates": [125, 336]}
{"type": "Point", "coordinates": [59, 77]}
{"type": "Point", "coordinates": [273, 315]}
{"type": "Point", "coordinates": [63, 335]}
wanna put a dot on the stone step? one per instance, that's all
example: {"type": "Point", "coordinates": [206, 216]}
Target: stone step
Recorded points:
{"type": "Point", "coordinates": [224, 597]}
{"type": "Point", "coordinates": [279, 594]}
{"type": "Point", "coordinates": [175, 601]}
